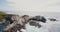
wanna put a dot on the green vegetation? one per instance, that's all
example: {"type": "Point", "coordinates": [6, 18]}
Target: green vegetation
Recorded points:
{"type": "Point", "coordinates": [2, 14]}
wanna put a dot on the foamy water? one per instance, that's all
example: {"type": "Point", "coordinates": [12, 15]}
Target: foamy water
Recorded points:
{"type": "Point", "coordinates": [49, 26]}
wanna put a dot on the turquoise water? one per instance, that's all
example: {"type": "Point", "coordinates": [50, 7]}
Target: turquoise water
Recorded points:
{"type": "Point", "coordinates": [3, 25]}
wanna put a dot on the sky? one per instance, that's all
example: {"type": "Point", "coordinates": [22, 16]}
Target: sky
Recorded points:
{"type": "Point", "coordinates": [30, 5]}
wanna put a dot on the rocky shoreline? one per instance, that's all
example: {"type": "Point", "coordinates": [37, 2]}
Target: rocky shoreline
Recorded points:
{"type": "Point", "coordinates": [17, 22]}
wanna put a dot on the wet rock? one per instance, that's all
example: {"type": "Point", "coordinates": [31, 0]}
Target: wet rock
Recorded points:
{"type": "Point", "coordinates": [38, 18]}
{"type": "Point", "coordinates": [32, 23]}
{"type": "Point", "coordinates": [52, 19]}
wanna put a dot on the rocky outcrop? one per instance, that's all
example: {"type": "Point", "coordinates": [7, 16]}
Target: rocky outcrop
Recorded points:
{"type": "Point", "coordinates": [13, 21]}
{"type": "Point", "coordinates": [10, 17]}
{"type": "Point", "coordinates": [34, 23]}
{"type": "Point", "coordinates": [39, 18]}
{"type": "Point", "coordinates": [19, 21]}
{"type": "Point", "coordinates": [52, 19]}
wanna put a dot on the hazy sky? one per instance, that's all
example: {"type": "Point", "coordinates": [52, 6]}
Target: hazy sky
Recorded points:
{"type": "Point", "coordinates": [30, 5]}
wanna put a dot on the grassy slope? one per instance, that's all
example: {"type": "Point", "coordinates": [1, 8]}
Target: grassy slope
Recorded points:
{"type": "Point", "coordinates": [2, 14]}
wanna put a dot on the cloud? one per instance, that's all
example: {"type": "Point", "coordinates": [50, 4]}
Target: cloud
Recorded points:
{"type": "Point", "coordinates": [30, 5]}
{"type": "Point", "coordinates": [34, 5]}
{"type": "Point", "coordinates": [54, 6]}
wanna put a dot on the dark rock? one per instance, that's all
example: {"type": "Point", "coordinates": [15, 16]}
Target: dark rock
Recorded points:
{"type": "Point", "coordinates": [39, 18]}
{"type": "Point", "coordinates": [9, 17]}
{"type": "Point", "coordinates": [35, 24]}
{"type": "Point", "coordinates": [25, 16]}
{"type": "Point", "coordinates": [52, 19]}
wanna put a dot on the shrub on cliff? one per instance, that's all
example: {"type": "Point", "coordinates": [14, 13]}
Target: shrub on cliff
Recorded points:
{"type": "Point", "coordinates": [2, 14]}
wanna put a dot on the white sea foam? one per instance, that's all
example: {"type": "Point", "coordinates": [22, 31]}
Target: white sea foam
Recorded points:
{"type": "Point", "coordinates": [49, 26]}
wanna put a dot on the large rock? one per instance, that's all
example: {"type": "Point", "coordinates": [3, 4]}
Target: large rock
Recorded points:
{"type": "Point", "coordinates": [39, 18]}
{"type": "Point", "coordinates": [19, 23]}
{"type": "Point", "coordinates": [33, 23]}
{"type": "Point", "coordinates": [10, 17]}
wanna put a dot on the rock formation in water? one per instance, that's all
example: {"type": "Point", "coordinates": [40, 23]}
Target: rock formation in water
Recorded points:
{"type": "Point", "coordinates": [11, 19]}
{"type": "Point", "coordinates": [52, 19]}
{"type": "Point", "coordinates": [33, 23]}
{"type": "Point", "coordinates": [18, 22]}
{"type": "Point", "coordinates": [39, 18]}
